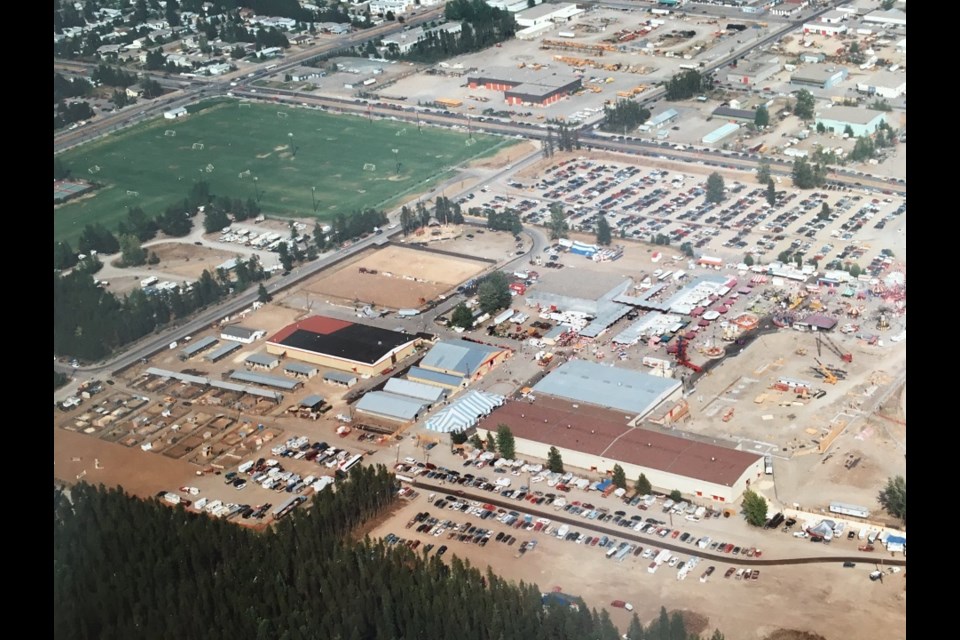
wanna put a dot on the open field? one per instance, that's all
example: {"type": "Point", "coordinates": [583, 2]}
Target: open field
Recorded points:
{"type": "Point", "coordinates": [403, 277]}
{"type": "Point", "coordinates": [251, 151]}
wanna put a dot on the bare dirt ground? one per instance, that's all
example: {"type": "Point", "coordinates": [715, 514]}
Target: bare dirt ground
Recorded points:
{"type": "Point", "coordinates": [405, 277]}
{"type": "Point", "coordinates": [856, 466]}
{"type": "Point", "coordinates": [141, 474]}
{"type": "Point", "coordinates": [783, 597]}
{"type": "Point", "coordinates": [188, 260]}
{"type": "Point", "coordinates": [503, 157]}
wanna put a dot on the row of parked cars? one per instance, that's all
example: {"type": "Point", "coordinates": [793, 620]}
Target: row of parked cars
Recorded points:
{"type": "Point", "coordinates": [392, 539]}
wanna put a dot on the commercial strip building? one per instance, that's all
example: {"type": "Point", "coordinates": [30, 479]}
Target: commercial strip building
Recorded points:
{"type": "Point", "coordinates": [340, 344]}
{"type": "Point", "coordinates": [597, 439]}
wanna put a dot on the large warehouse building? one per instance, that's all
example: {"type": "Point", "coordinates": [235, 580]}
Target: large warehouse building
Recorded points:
{"type": "Point", "coordinates": [632, 393]}
{"type": "Point", "coordinates": [819, 76]}
{"type": "Point", "coordinates": [862, 122]}
{"type": "Point", "coordinates": [597, 439]}
{"type": "Point", "coordinates": [524, 86]}
{"type": "Point", "coordinates": [343, 345]}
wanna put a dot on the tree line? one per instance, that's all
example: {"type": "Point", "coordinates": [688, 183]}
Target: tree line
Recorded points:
{"type": "Point", "coordinates": [444, 211]}
{"type": "Point", "coordinates": [98, 322]}
{"type": "Point", "coordinates": [625, 115]}
{"type": "Point", "coordinates": [126, 568]}
{"type": "Point", "coordinates": [482, 26]}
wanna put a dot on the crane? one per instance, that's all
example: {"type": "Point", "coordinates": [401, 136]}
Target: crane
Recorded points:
{"type": "Point", "coordinates": [828, 375]}
{"type": "Point", "coordinates": [844, 356]}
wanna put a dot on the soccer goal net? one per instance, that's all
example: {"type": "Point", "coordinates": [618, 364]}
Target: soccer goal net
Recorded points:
{"type": "Point", "coordinates": [94, 169]}
{"type": "Point", "coordinates": [198, 146]}
{"type": "Point", "coordinates": [243, 105]}
{"type": "Point", "coordinates": [369, 167]}
{"type": "Point", "coordinates": [134, 194]}
{"type": "Point", "coordinates": [208, 168]}
{"type": "Point", "coordinates": [282, 114]}
{"type": "Point", "coordinates": [470, 142]}
{"type": "Point", "coordinates": [170, 133]}
{"type": "Point", "coordinates": [402, 132]}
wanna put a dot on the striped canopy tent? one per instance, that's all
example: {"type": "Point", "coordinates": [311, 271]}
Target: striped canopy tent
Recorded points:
{"type": "Point", "coordinates": [465, 411]}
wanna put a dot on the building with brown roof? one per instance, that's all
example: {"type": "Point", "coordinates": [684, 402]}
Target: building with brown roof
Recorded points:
{"type": "Point", "coordinates": [596, 439]}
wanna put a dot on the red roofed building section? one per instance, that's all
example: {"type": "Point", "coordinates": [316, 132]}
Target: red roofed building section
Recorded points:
{"type": "Point", "coordinates": [596, 439]}
{"type": "Point", "coordinates": [314, 324]}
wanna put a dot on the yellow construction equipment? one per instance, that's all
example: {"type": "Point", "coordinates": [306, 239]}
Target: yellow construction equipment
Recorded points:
{"type": "Point", "coordinates": [828, 376]}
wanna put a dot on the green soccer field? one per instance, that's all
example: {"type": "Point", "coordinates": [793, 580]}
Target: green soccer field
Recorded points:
{"type": "Point", "coordinates": [301, 163]}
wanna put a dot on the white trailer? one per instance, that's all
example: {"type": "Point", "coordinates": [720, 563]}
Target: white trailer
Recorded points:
{"type": "Point", "coordinates": [662, 557]}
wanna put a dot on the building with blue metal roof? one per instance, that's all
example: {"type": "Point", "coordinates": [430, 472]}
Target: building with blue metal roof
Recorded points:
{"type": "Point", "coordinates": [427, 376]}
{"type": "Point", "coordinates": [390, 406]}
{"type": "Point", "coordinates": [632, 392]}
{"type": "Point", "coordinates": [463, 358]}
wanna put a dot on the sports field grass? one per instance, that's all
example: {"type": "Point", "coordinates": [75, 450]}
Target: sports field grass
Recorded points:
{"type": "Point", "coordinates": [251, 150]}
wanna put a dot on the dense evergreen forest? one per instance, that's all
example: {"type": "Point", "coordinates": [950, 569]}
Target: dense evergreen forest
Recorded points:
{"type": "Point", "coordinates": [126, 568]}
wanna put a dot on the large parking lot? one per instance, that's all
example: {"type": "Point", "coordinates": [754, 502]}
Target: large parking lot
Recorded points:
{"type": "Point", "coordinates": [667, 201]}
{"type": "Point", "coordinates": [705, 568]}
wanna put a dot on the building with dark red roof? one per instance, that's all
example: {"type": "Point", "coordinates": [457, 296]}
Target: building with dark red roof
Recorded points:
{"type": "Point", "coordinates": [596, 439]}
{"type": "Point", "coordinates": [341, 344]}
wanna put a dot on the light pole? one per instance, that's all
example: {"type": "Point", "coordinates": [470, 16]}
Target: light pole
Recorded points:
{"type": "Point", "coordinates": [256, 190]}
{"type": "Point", "coordinates": [313, 193]}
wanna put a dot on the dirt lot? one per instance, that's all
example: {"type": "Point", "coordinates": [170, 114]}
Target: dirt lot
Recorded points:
{"type": "Point", "coordinates": [792, 432]}
{"type": "Point", "coordinates": [188, 260]}
{"type": "Point", "coordinates": [783, 597]}
{"type": "Point", "coordinates": [405, 277]}
{"type": "Point", "coordinates": [141, 474]}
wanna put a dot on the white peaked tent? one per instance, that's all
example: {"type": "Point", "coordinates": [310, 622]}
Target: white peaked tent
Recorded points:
{"type": "Point", "coordinates": [464, 412]}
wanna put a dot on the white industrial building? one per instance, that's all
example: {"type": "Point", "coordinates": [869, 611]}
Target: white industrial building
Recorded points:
{"type": "Point", "coordinates": [381, 7]}
{"type": "Point", "coordinates": [885, 84]}
{"type": "Point", "coordinates": [824, 29]}
{"type": "Point", "coordinates": [241, 334]}
{"type": "Point", "coordinates": [547, 14]}
{"type": "Point", "coordinates": [597, 439]}
{"type": "Point", "coordinates": [892, 17]}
